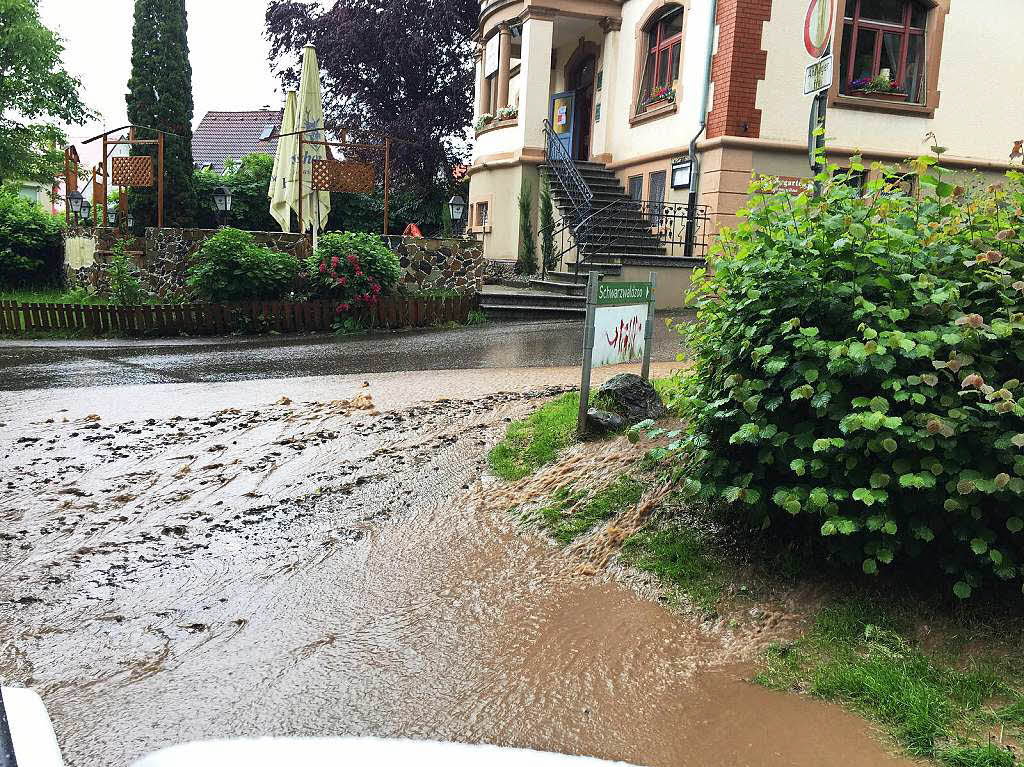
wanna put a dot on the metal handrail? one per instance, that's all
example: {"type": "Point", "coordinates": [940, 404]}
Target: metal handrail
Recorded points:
{"type": "Point", "coordinates": [558, 157]}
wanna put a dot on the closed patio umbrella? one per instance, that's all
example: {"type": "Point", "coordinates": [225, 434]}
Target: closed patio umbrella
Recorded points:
{"type": "Point", "coordinates": [309, 116]}
{"type": "Point", "coordinates": [285, 167]}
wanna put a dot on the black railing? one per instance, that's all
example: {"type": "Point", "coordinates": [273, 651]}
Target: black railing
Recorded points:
{"type": "Point", "coordinates": [567, 174]}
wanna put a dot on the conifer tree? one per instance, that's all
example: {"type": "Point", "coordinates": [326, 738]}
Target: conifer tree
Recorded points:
{"type": "Point", "coordinates": [160, 96]}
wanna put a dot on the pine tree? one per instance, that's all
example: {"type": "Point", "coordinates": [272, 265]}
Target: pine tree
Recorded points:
{"type": "Point", "coordinates": [527, 264]}
{"type": "Point", "coordinates": [160, 96]}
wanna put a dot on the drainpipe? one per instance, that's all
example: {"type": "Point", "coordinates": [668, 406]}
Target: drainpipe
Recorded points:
{"type": "Point", "coordinates": [691, 216]}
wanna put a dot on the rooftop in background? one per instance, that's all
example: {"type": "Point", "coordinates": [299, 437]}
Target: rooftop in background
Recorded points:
{"type": "Point", "coordinates": [221, 135]}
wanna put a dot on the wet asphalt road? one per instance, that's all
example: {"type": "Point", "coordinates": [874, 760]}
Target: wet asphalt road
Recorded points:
{"type": "Point", "coordinates": [53, 364]}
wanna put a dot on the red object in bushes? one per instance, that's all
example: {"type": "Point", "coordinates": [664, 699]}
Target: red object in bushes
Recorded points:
{"type": "Point", "coordinates": [412, 231]}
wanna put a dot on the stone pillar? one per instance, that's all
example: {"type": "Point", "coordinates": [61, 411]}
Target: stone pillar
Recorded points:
{"type": "Point", "coordinates": [485, 91]}
{"type": "Point", "coordinates": [504, 63]}
{"type": "Point", "coordinates": [535, 78]}
{"type": "Point", "coordinates": [481, 103]}
{"type": "Point", "coordinates": [604, 99]}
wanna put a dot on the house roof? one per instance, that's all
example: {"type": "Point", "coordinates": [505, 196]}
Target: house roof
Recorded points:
{"type": "Point", "coordinates": [221, 135]}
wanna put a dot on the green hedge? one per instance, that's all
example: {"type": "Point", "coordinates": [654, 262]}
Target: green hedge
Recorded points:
{"type": "Point", "coordinates": [857, 365]}
{"type": "Point", "coordinates": [31, 245]}
{"type": "Point", "coordinates": [231, 266]}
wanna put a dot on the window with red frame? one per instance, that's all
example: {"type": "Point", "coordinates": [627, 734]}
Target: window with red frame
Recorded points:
{"type": "Point", "coordinates": [664, 36]}
{"type": "Point", "coordinates": [883, 50]}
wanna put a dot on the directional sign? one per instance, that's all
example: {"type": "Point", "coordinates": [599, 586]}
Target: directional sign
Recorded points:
{"type": "Point", "coordinates": [818, 76]}
{"type": "Point", "coordinates": [821, 16]}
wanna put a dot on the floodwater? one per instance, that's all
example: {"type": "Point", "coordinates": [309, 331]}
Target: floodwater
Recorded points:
{"type": "Point", "coordinates": [319, 557]}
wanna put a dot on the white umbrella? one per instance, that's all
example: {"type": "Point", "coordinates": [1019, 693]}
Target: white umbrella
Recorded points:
{"type": "Point", "coordinates": [309, 116]}
{"type": "Point", "coordinates": [285, 167]}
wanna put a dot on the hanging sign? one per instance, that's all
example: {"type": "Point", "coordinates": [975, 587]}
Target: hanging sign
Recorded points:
{"type": "Point", "coordinates": [619, 329]}
{"type": "Point", "coordinates": [818, 25]}
{"type": "Point", "coordinates": [491, 56]}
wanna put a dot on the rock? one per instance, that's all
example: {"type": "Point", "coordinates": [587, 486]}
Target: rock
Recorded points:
{"type": "Point", "coordinates": [603, 422]}
{"type": "Point", "coordinates": [631, 397]}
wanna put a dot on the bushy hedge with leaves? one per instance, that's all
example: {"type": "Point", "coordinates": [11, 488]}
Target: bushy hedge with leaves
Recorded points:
{"type": "Point", "coordinates": [31, 243]}
{"type": "Point", "coordinates": [232, 266]}
{"type": "Point", "coordinates": [354, 268]}
{"type": "Point", "coordinates": [857, 366]}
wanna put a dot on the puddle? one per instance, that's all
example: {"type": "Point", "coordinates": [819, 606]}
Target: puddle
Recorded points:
{"type": "Point", "coordinates": [328, 568]}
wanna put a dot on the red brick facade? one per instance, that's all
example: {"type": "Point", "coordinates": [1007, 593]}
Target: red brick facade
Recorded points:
{"type": "Point", "coordinates": [737, 67]}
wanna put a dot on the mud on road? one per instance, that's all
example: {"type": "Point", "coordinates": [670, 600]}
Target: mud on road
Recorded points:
{"type": "Point", "coordinates": [323, 568]}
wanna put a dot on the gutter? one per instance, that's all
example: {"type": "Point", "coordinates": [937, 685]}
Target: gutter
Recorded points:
{"type": "Point", "coordinates": [691, 223]}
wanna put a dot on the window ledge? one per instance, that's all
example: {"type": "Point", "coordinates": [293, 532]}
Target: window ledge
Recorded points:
{"type": "Point", "coordinates": [496, 125]}
{"type": "Point", "coordinates": [485, 229]}
{"type": "Point", "coordinates": [654, 114]}
{"type": "Point", "coordinates": [868, 104]}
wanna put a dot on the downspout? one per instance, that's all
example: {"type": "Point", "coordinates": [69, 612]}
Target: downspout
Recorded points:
{"type": "Point", "coordinates": [691, 221]}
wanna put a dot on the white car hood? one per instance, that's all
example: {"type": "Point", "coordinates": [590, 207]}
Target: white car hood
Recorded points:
{"type": "Point", "coordinates": [341, 752]}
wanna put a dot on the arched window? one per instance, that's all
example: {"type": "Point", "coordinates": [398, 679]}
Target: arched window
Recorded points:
{"type": "Point", "coordinates": [883, 50]}
{"type": "Point", "coordinates": [663, 38]}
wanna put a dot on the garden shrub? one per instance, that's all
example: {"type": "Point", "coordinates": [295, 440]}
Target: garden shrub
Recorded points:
{"type": "Point", "coordinates": [125, 286]}
{"type": "Point", "coordinates": [31, 244]}
{"type": "Point", "coordinates": [857, 365]}
{"type": "Point", "coordinates": [354, 268]}
{"type": "Point", "coordinates": [232, 266]}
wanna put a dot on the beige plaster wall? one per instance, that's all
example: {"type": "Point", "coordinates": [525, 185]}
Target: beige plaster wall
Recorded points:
{"type": "Point", "coordinates": [673, 284]}
{"type": "Point", "coordinates": [980, 111]}
{"type": "Point", "coordinates": [500, 187]}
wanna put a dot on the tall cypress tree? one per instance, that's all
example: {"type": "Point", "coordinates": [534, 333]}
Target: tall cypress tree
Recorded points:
{"type": "Point", "coordinates": [160, 96]}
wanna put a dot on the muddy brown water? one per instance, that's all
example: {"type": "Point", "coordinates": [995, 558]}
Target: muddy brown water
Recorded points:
{"type": "Point", "coordinates": [320, 566]}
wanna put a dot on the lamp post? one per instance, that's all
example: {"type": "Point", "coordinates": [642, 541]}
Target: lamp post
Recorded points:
{"type": "Point", "coordinates": [86, 207]}
{"type": "Point", "coordinates": [112, 214]}
{"type": "Point", "coordinates": [75, 201]}
{"type": "Point", "coordinates": [222, 201]}
{"type": "Point", "coordinates": [457, 209]}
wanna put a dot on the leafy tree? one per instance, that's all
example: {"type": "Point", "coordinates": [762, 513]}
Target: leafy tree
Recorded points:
{"type": "Point", "coordinates": [160, 97]}
{"type": "Point", "coordinates": [30, 242]}
{"type": "Point", "coordinates": [248, 182]}
{"type": "Point", "coordinates": [36, 93]}
{"type": "Point", "coordinates": [425, 47]}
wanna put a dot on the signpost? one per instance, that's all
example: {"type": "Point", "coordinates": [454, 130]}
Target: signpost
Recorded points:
{"type": "Point", "coordinates": [619, 329]}
{"type": "Point", "coordinates": [817, 40]}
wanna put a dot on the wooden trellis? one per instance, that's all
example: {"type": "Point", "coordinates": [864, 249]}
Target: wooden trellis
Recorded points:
{"type": "Point", "coordinates": [136, 172]}
{"type": "Point", "coordinates": [332, 175]}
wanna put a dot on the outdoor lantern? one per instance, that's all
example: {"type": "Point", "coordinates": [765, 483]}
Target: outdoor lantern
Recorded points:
{"type": "Point", "coordinates": [457, 208]}
{"type": "Point", "coordinates": [129, 220]}
{"type": "Point", "coordinates": [112, 213]}
{"type": "Point", "coordinates": [86, 207]}
{"type": "Point", "coordinates": [75, 201]}
{"type": "Point", "coordinates": [222, 199]}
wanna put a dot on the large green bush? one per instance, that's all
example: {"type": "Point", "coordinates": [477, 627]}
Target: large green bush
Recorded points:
{"type": "Point", "coordinates": [30, 242]}
{"type": "Point", "coordinates": [354, 268]}
{"type": "Point", "coordinates": [856, 373]}
{"type": "Point", "coordinates": [231, 266]}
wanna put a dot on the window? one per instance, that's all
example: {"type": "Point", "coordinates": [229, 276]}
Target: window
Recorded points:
{"type": "Point", "coordinates": [636, 187]}
{"type": "Point", "coordinates": [481, 213]}
{"type": "Point", "coordinates": [656, 190]}
{"type": "Point", "coordinates": [883, 50]}
{"type": "Point", "coordinates": [663, 41]}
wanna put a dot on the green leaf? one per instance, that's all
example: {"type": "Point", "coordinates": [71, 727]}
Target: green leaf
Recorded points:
{"type": "Point", "coordinates": [962, 590]}
{"type": "Point", "coordinates": [870, 566]}
{"type": "Point", "coordinates": [979, 546]}
{"type": "Point", "coordinates": [1015, 524]}
{"type": "Point", "coordinates": [890, 445]}
{"type": "Point", "coordinates": [799, 465]}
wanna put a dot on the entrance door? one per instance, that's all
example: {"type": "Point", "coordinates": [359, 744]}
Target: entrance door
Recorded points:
{"type": "Point", "coordinates": [563, 118]}
{"type": "Point", "coordinates": [581, 80]}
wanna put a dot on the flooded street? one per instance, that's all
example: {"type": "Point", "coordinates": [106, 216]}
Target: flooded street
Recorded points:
{"type": "Point", "coordinates": [326, 556]}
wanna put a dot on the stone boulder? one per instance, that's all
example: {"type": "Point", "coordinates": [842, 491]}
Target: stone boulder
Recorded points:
{"type": "Point", "coordinates": [603, 422]}
{"type": "Point", "coordinates": [631, 397]}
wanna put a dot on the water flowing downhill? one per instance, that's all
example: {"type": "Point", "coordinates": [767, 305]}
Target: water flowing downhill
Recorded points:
{"type": "Point", "coordinates": [346, 567]}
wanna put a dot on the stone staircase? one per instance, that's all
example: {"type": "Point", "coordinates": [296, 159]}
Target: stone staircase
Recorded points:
{"type": "Point", "coordinates": [615, 233]}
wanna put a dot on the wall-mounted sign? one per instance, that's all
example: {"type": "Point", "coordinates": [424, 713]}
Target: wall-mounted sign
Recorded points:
{"type": "Point", "coordinates": [491, 56]}
{"type": "Point", "coordinates": [818, 76]}
{"type": "Point", "coordinates": [597, 113]}
{"type": "Point", "coordinates": [599, 81]}
{"type": "Point", "coordinates": [681, 171]}
{"type": "Point", "coordinates": [821, 16]}
{"type": "Point", "coordinates": [795, 184]}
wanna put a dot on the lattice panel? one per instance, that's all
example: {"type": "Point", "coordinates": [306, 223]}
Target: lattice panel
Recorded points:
{"type": "Point", "coordinates": [132, 171]}
{"type": "Point", "coordinates": [343, 176]}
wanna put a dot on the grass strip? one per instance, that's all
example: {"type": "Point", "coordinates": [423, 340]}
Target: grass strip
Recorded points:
{"type": "Point", "coordinates": [536, 441]}
{"type": "Point", "coordinates": [623, 494]}
{"type": "Point", "coordinates": [678, 557]}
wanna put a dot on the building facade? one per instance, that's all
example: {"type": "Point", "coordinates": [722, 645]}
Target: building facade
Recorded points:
{"type": "Point", "coordinates": [633, 87]}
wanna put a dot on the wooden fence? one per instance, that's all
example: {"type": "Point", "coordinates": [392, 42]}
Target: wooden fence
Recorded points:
{"type": "Point", "coordinates": [214, 319]}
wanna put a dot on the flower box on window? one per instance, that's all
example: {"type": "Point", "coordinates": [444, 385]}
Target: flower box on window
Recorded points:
{"type": "Point", "coordinates": [879, 95]}
{"type": "Point", "coordinates": [665, 95]}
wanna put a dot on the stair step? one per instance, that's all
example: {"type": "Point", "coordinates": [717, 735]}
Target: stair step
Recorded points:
{"type": "Point", "coordinates": [524, 312]}
{"type": "Point", "coordinates": [542, 299]}
{"type": "Point", "coordinates": [572, 278]}
{"type": "Point", "coordinates": [562, 288]}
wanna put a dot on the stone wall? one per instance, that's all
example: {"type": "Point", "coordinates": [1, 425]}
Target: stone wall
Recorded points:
{"type": "Point", "coordinates": [162, 257]}
{"type": "Point", "coordinates": [440, 265]}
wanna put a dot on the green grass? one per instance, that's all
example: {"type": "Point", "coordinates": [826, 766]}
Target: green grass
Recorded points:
{"type": "Point", "coordinates": [680, 559]}
{"type": "Point", "coordinates": [536, 441]}
{"type": "Point", "coordinates": [52, 296]}
{"type": "Point", "coordinates": [624, 493]}
{"type": "Point", "coordinates": [934, 706]}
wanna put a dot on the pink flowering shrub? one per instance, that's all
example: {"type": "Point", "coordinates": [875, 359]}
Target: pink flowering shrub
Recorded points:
{"type": "Point", "coordinates": [356, 269]}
